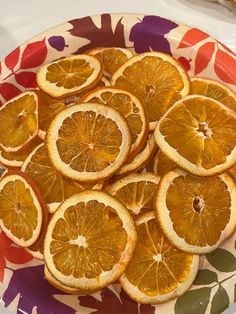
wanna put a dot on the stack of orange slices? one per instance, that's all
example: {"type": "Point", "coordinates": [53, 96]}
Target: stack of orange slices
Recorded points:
{"type": "Point", "coordinates": [119, 167]}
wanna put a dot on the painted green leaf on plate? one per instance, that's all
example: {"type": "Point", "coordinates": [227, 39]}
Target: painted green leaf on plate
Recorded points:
{"type": "Point", "coordinates": [222, 260]}
{"type": "Point", "coordinates": [220, 301]}
{"type": "Point", "coordinates": [235, 293]}
{"type": "Point", "coordinates": [205, 277]}
{"type": "Point", "coordinates": [194, 301]}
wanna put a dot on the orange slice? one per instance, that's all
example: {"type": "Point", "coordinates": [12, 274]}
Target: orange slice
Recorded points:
{"type": "Point", "coordinates": [54, 187]}
{"type": "Point", "coordinates": [69, 75]}
{"type": "Point", "coordinates": [112, 58]}
{"type": "Point", "coordinates": [162, 164]}
{"type": "Point", "coordinates": [130, 107]}
{"type": "Point", "coordinates": [136, 191]}
{"type": "Point", "coordinates": [18, 121]}
{"type": "Point", "coordinates": [158, 272]}
{"type": "Point", "coordinates": [21, 208]}
{"type": "Point", "coordinates": [157, 78]}
{"type": "Point", "coordinates": [72, 100]}
{"type": "Point", "coordinates": [141, 158]}
{"type": "Point", "coordinates": [195, 213]}
{"type": "Point", "coordinates": [36, 250]}
{"type": "Point", "coordinates": [55, 283]}
{"type": "Point", "coordinates": [88, 142]}
{"type": "Point", "coordinates": [232, 172]}
{"type": "Point", "coordinates": [199, 134]}
{"type": "Point", "coordinates": [98, 232]}
{"type": "Point", "coordinates": [16, 159]}
{"type": "Point", "coordinates": [49, 107]}
{"type": "Point", "coordinates": [213, 89]}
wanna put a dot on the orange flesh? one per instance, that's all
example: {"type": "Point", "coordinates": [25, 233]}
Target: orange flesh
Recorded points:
{"type": "Point", "coordinates": [157, 267]}
{"type": "Point", "coordinates": [137, 197]}
{"type": "Point", "coordinates": [52, 185]}
{"type": "Point", "coordinates": [201, 131]}
{"type": "Point", "coordinates": [17, 210]}
{"type": "Point", "coordinates": [48, 109]}
{"type": "Point", "coordinates": [123, 103]}
{"type": "Point", "coordinates": [94, 233]}
{"type": "Point", "coordinates": [22, 154]}
{"type": "Point", "coordinates": [112, 59]}
{"type": "Point", "coordinates": [18, 121]}
{"type": "Point", "coordinates": [155, 81]}
{"type": "Point", "coordinates": [163, 164]}
{"type": "Point", "coordinates": [199, 208]}
{"type": "Point", "coordinates": [69, 73]}
{"type": "Point", "coordinates": [213, 91]}
{"type": "Point", "coordinates": [89, 141]}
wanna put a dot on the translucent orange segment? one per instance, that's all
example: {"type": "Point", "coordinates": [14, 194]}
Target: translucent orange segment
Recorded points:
{"type": "Point", "coordinates": [89, 141]}
{"type": "Point", "coordinates": [52, 185]}
{"type": "Point", "coordinates": [215, 91]}
{"type": "Point", "coordinates": [199, 208]}
{"type": "Point", "coordinates": [162, 164]}
{"type": "Point", "coordinates": [155, 81]}
{"type": "Point", "coordinates": [201, 131]}
{"type": "Point", "coordinates": [123, 103]}
{"type": "Point", "coordinates": [69, 73]}
{"type": "Point", "coordinates": [22, 154]}
{"type": "Point", "coordinates": [18, 212]}
{"type": "Point", "coordinates": [48, 109]}
{"type": "Point", "coordinates": [94, 234]}
{"type": "Point", "coordinates": [112, 59]}
{"type": "Point", "coordinates": [18, 121]}
{"type": "Point", "coordinates": [137, 196]}
{"type": "Point", "coordinates": [156, 267]}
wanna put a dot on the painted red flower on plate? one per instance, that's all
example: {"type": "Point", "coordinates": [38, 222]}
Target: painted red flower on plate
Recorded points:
{"type": "Point", "coordinates": [11, 253]}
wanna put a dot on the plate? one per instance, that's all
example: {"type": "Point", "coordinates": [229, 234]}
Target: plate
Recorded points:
{"type": "Point", "coordinates": [23, 288]}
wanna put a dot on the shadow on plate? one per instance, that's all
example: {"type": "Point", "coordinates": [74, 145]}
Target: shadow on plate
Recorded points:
{"type": "Point", "coordinates": [212, 8]}
{"type": "Point", "coordinates": [8, 43]}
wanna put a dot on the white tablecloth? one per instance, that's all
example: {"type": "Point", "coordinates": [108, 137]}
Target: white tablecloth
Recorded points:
{"type": "Point", "coordinates": [22, 19]}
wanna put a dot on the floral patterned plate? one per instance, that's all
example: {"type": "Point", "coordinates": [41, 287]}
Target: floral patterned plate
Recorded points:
{"type": "Point", "coordinates": [22, 285]}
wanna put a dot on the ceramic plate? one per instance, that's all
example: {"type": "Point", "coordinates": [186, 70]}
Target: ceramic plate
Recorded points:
{"type": "Point", "coordinates": [22, 285]}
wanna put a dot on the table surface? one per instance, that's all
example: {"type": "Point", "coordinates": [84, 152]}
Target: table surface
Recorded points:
{"type": "Point", "coordinates": [21, 20]}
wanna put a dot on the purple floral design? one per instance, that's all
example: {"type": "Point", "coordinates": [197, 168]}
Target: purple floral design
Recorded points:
{"type": "Point", "coordinates": [57, 42]}
{"type": "Point", "coordinates": [111, 304]}
{"type": "Point", "coordinates": [149, 34]}
{"type": "Point", "coordinates": [34, 290]}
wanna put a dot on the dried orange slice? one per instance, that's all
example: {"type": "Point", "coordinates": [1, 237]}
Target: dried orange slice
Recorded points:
{"type": "Point", "coordinates": [21, 208]}
{"type": "Point", "coordinates": [213, 89]}
{"type": "Point", "coordinates": [130, 107]}
{"type": "Point", "coordinates": [162, 164]}
{"type": "Point", "coordinates": [88, 142]}
{"type": "Point", "coordinates": [196, 213]}
{"type": "Point", "coordinates": [158, 272]}
{"type": "Point", "coordinates": [49, 107]}
{"type": "Point", "coordinates": [16, 159]}
{"type": "Point", "coordinates": [232, 172]}
{"type": "Point", "coordinates": [199, 134]}
{"type": "Point", "coordinates": [136, 191]}
{"type": "Point", "coordinates": [55, 283]}
{"type": "Point", "coordinates": [141, 158]}
{"type": "Point", "coordinates": [72, 100]}
{"type": "Point", "coordinates": [36, 250]}
{"type": "Point", "coordinates": [18, 121]}
{"type": "Point", "coordinates": [98, 232]}
{"type": "Point", "coordinates": [157, 78]}
{"type": "Point", "coordinates": [112, 58]}
{"type": "Point", "coordinates": [69, 75]}
{"type": "Point", "coordinates": [54, 187]}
